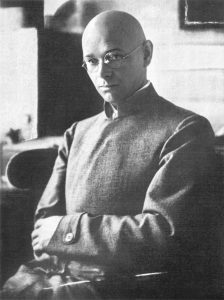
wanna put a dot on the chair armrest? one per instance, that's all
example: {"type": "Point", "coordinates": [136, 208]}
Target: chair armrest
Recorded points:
{"type": "Point", "coordinates": [31, 168]}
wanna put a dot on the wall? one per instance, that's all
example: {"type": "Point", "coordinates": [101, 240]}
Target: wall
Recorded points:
{"type": "Point", "coordinates": [187, 65]}
{"type": "Point", "coordinates": [18, 79]}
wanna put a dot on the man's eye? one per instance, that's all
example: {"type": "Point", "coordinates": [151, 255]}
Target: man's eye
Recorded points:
{"type": "Point", "coordinates": [113, 56]}
{"type": "Point", "coordinates": [92, 61]}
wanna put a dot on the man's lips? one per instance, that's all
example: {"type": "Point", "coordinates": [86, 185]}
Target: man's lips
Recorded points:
{"type": "Point", "coordinates": [108, 86]}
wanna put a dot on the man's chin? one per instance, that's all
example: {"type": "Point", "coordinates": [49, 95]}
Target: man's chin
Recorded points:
{"type": "Point", "coordinates": [110, 98]}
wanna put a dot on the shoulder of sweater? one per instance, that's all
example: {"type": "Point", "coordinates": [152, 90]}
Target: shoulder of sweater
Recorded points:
{"type": "Point", "coordinates": [173, 117]}
{"type": "Point", "coordinates": [89, 121]}
{"type": "Point", "coordinates": [172, 113]}
{"type": "Point", "coordinates": [85, 122]}
{"type": "Point", "coordinates": [169, 110]}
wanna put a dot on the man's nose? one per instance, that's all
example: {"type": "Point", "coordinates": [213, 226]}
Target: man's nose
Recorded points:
{"type": "Point", "coordinates": [104, 70]}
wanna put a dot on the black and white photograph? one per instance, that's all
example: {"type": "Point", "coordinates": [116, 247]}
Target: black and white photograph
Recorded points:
{"type": "Point", "coordinates": [111, 149]}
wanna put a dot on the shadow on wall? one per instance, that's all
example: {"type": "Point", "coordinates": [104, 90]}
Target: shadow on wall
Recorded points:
{"type": "Point", "coordinates": [72, 16]}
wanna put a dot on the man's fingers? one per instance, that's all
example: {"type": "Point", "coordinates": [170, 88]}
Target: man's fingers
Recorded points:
{"type": "Point", "coordinates": [34, 242]}
{"type": "Point", "coordinates": [38, 224]}
{"type": "Point", "coordinates": [34, 234]}
{"type": "Point", "coordinates": [41, 256]}
{"type": "Point", "coordinates": [37, 253]}
{"type": "Point", "coordinates": [37, 248]}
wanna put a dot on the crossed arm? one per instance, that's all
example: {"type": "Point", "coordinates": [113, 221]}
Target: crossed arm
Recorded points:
{"type": "Point", "coordinates": [173, 217]}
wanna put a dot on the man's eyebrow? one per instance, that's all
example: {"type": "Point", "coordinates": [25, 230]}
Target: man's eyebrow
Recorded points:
{"type": "Point", "coordinates": [108, 51]}
{"type": "Point", "coordinates": [115, 49]}
{"type": "Point", "coordinates": [88, 55]}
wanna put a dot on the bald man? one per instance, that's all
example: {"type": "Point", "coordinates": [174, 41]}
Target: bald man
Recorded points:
{"type": "Point", "coordinates": [129, 199]}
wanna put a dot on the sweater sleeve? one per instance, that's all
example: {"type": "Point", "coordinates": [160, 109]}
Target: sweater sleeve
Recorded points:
{"type": "Point", "coordinates": [52, 201]}
{"type": "Point", "coordinates": [173, 220]}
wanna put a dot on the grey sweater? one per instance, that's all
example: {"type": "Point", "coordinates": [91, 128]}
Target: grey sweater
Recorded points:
{"type": "Point", "coordinates": [134, 191]}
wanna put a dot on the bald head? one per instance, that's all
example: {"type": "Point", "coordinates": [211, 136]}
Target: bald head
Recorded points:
{"type": "Point", "coordinates": [116, 55]}
{"type": "Point", "coordinates": [118, 26]}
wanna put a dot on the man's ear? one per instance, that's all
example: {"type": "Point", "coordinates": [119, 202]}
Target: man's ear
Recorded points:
{"type": "Point", "coordinates": [148, 50]}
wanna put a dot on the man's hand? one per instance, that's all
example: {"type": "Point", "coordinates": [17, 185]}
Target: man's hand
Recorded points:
{"type": "Point", "coordinates": [43, 232]}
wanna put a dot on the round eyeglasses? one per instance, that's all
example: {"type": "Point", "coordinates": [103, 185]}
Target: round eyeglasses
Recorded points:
{"type": "Point", "coordinates": [111, 58]}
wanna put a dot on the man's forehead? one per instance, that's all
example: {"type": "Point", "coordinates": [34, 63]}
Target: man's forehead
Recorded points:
{"type": "Point", "coordinates": [104, 39]}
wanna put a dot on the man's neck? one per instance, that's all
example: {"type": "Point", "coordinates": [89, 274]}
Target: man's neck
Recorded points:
{"type": "Point", "coordinates": [116, 107]}
{"type": "Point", "coordinates": [120, 109]}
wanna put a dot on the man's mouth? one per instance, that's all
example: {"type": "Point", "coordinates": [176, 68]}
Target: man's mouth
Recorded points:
{"type": "Point", "coordinates": [108, 86]}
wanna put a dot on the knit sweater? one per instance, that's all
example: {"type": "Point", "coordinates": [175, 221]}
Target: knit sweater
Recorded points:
{"type": "Point", "coordinates": [133, 190]}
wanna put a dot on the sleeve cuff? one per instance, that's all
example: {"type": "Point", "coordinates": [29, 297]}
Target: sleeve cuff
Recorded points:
{"type": "Point", "coordinates": [65, 234]}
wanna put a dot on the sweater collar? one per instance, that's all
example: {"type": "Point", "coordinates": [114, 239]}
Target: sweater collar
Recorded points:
{"type": "Point", "coordinates": [133, 104]}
